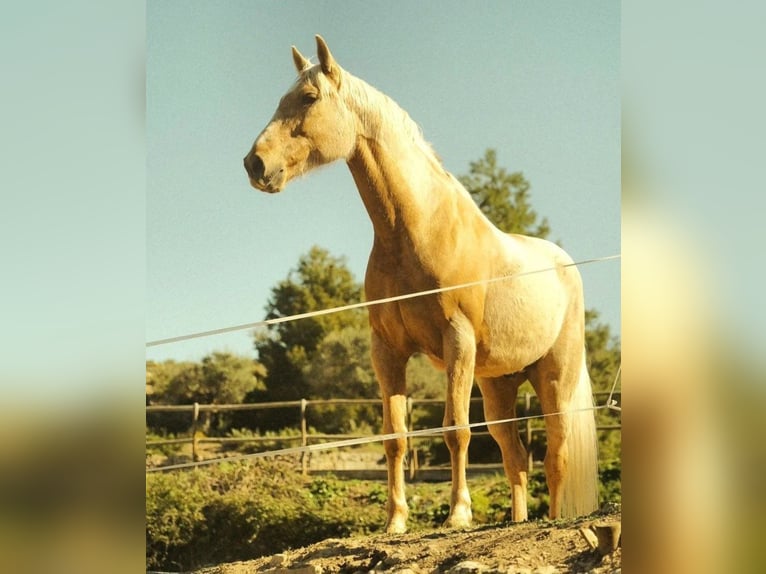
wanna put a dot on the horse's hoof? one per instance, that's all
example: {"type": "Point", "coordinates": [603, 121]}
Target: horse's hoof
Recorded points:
{"type": "Point", "coordinates": [396, 528]}
{"type": "Point", "coordinates": [458, 522]}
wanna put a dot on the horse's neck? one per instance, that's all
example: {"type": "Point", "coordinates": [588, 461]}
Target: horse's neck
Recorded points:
{"type": "Point", "coordinates": [400, 185]}
{"type": "Point", "coordinates": [388, 195]}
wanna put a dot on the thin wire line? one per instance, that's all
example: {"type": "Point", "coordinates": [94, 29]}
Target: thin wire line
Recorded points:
{"type": "Point", "coordinates": [361, 440]}
{"type": "Point", "coordinates": [362, 304]}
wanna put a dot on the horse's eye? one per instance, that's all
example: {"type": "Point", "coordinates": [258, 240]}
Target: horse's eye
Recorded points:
{"type": "Point", "coordinates": [309, 98]}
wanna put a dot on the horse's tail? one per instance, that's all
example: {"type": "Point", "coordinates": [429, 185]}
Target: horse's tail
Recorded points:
{"type": "Point", "coordinates": [580, 493]}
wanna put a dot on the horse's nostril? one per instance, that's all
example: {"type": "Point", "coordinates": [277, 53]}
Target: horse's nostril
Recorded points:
{"type": "Point", "coordinates": [254, 166]}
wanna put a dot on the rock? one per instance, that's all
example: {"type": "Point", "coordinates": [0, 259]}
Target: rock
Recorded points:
{"type": "Point", "coordinates": [278, 560]}
{"type": "Point", "coordinates": [298, 569]}
{"type": "Point", "coordinates": [590, 537]}
{"type": "Point", "coordinates": [468, 567]}
{"type": "Point", "coordinates": [604, 536]}
{"type": "Point", "coordinates": [394, 559]}
{"type": "Point", "coordinates": [608, 534]}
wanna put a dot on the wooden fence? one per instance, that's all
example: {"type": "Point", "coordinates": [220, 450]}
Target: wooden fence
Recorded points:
{"type": "Point", "coordinates": [524, 409]}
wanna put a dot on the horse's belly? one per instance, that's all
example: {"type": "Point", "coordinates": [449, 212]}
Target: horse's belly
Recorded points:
{"type": "Point", "coordinates": [517, 331]}
{"type": "Point", "coordinates": [509, 354]}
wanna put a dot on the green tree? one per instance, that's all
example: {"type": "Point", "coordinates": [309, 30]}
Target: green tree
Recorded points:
{"type": "Point", "coordinates": [170, 383]}
{"type": "Point", "coordinates": [340, 368]}
{"type": "Point", "coordinates": [604, 358]}
{"type": "Point", "coordinates": [220, 378]}
{"type": "Point", "coordinates": [319, 281]}
{"type": "Point", "coordinates": [503, 197]}
{"type": "Point", "coordinates": [167, 382]}
{"type": "Point", "coordinates": [603, 352]}
{"type": "Point", "coordinates": [229, 378]}
{"type": "Point", "coordinates": [424, 381]}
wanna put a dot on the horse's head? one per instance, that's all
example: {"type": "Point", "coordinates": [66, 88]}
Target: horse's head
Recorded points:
{"type": "Point", "coordinates": [311, 127]}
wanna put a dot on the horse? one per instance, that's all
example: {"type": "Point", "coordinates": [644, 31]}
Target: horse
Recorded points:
{"type": "Point", "coordinates": [429, 233]}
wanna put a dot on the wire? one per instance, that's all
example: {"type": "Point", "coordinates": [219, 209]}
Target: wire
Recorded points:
{"type": "Point", "coordinates": [363, 304]}
{"type": "Point", "coordinates": [361, 440]}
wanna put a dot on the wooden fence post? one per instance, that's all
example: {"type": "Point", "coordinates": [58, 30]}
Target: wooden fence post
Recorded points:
{"type": "Point", "coordinates": [195, 422]}
{"type": "Point", "coordinates": [413, 452]}
{"type": "Point", "coordinates": [528, 425]}
{"type": "Point", "coordinates": [304, 439]}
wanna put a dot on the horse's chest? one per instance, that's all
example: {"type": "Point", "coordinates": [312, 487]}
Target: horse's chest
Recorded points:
{"type": "Point", "coordinates": [414, 324]}
{"type": "Point", "coordinates": [411, 325]}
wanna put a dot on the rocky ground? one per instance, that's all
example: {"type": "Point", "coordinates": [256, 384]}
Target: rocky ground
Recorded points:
{"type": "Point", "coordinates": [540, 547]}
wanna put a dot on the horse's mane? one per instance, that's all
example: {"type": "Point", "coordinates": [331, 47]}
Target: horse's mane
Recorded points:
{"type": "Point", "coordinates": [376, 110]}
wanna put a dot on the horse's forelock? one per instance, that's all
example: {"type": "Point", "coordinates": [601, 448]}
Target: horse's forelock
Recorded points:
{"type": "Point", "coordinates": [314, 76]}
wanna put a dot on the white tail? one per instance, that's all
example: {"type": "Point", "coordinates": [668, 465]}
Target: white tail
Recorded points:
{"type": "Point", "coordinates": [580, 494]}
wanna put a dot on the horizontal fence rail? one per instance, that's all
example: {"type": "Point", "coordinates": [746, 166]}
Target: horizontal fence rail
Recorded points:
{"type": "Point", "coordinates": [524, 408]}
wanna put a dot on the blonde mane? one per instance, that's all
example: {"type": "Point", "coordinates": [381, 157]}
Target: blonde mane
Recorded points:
{"type": "Point", "coordinates": [375, 109]}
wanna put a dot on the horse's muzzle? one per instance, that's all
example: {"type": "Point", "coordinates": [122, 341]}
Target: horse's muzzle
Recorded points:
{"type": "Point", "coordinates": [254, 167]}
{"type": "Point", "coordinates": [256, 172]}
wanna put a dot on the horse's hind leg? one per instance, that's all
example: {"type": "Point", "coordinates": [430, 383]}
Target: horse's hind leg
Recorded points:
{"type": "Point", "coordinates": [554, 381]}
{"type": "Point", "coordinates": [499, 404]}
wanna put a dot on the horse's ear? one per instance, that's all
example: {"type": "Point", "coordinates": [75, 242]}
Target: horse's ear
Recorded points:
{"type": "Point", "coordinates": [329, 66]}
{"type": "Point", "coordinates": [301, 63]}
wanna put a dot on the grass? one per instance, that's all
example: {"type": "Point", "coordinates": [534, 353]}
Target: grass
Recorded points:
{"type": "Point", "coordinates": [265, 506]}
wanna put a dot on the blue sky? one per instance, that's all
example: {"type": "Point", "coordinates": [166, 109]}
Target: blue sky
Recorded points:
{"type": "Point", "coordinates": [539, 82]}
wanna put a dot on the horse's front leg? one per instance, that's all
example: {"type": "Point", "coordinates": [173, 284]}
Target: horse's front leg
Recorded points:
{"type": "Point", "coordinates": [390, 368]}
{"type": "Point", "coordinates": [459, 357]}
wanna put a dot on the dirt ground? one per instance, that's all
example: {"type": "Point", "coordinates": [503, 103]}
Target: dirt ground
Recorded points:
{"type": "Point", "coordinates": [540, 547]}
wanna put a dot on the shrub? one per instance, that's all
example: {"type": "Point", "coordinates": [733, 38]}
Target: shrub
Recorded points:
{"type": "Point", "coordinates": [166, 450]}
{"type": "Point", "coordinates": [610, 481]}
{"type": "Point", "coordinates": [278, 439]}
{"type": "Point", "coordinates": [174, 510]}
{"type": "Point", "coordinates": [239, 511]}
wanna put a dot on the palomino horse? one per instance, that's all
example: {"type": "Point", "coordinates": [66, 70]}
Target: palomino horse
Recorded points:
{"type": "Point", "coordinates": [428, 234]}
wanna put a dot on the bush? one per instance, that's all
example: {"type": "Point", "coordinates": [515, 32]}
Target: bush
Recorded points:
{"type": "Point", "coordinates": [610, 481]}
{"type": "Point", "coordinates": [239, 511]}
{"type": "Point", "coordinates": [174, 511]}
{"type": "Point", "coordinates": [278, 439]}
{"type": "Point", "coordinates": [166, 450]}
